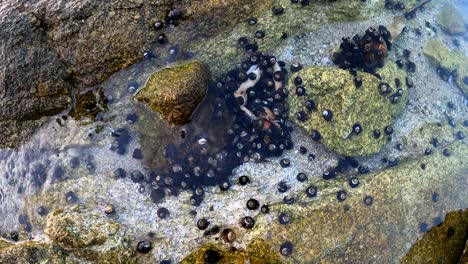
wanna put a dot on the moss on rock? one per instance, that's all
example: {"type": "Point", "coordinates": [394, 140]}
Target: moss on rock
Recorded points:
{"type": "Point", "coordinates": [257, 252]}
{"type": "Point", "coordinates": [441, 56]}
{"type": "Point", "coordinates": [76, 230]}
{"type": "Point", "coordinates": [442, 244]}
{"type": "Point", "coordinates": [334, 89]}
{"type": "Point", "coordinates": [175, 91]}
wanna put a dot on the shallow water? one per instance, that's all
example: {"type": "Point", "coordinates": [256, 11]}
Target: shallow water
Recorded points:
{"type": "Point", "coordinates": [82, 156]}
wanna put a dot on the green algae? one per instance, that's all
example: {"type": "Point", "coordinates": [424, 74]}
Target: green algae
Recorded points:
{"type": "Point", "coordinates": [442, 244]}
{"type": "Point", "coordinates": [441, 56]}
{"type": "Point", "coordinates": [257, 252]}
{"type": "Point", "coordinates": [41, 252]}
{"type": "Point", "coordinates": [334, 89]}
{"type": "Point", "coordinates": [175, 91]}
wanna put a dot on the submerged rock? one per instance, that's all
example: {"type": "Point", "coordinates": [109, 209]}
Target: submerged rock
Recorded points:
{"type": "Point", "coordinates": [446, 241]}
{"type": "Point", "coordinates": [89, 104]}
{"type": "Point", "coordinates": [258, 252]}
{"type": "Point", "coordinates": [451, 20]}
{"type": "Point", "coordinates": [449, 61]}
{"type": "Point", "coordinates": [351, 105]}
{"type": "Point", "coordinates": [75, 229]}
{"type": "Point", "coordinates": [378, 219]}
{"type": "Point", "coordinates": [176, 91]}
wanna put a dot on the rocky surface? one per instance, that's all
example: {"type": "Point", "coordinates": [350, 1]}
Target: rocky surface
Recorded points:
{"type": "Point", "coordinates": [33, 79]}
{"type": "Point", "coordinates": [70, 231]}
{"type": "Point", "coordinates": [443, 243]}
{"type": "Point", "coordinates": [60, 49]}
{"type": "Point", "coordinates": [176, 91]}
{"type": "Point", "coordinates": [448, 61]}
{"type": "Point", "coordinates": [451, 20]}
{"type": "Point", "coordinates": [335, 89]}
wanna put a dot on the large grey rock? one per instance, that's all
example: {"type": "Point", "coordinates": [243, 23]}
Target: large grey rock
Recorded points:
{"type": "Point", "coordinates": [50, 48]}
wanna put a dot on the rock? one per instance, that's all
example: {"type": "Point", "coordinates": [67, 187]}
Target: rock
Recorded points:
{"type": "Point", "coordinates": [334, 89]}
{"type": "Point", "coordinates": [43, 44]}
{"type": "Point", "coordinates": [34, 252]}
{"type": "Point", "coordinates": [258, 252]}
{"type": "Point", "coordinates": [40, 252]}
{"type": "Point", "coordinates": [451, 20]}
{"type": "Point", "coordinates": [441, 56]}
{"type": "Point", "coordinates": [176, 91]}
{"type": "Point", "coordinates": [221, 52]}
{"type": "Point", "coordinates": [420, 136]}
{"type": "Point", "coordinates": [355, 232]}
{"type": "Point", "coordinates": [33, 79]}
{"type": "Point", "coordinates": [464, 258]}
{"type": "Point", "coordinates": [398, 25]}
{"type": "Point", "coordinates": [74, 229]}
{"type": "Point", "coordinates": [446, 241]}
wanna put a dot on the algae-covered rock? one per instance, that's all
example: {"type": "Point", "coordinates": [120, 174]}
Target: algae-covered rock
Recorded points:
{"type": "Point", "coordinates": [442, 57]}
{"type": "Point", "coordinates": [35, 252]}
{"type": "Point", "coordinates": [176, 91]}
{"type": "Point", "coordinates": [451, 20]}
{"type": "Point", "coordinates": [257, 252]}
{"type": "Point", "coordinates": [378, 221]}
{"type": "Point", "coordinates": [442, 244]}
{"type": "Point", "coordinates": [420, 137]}
{"type": "Point", "coordinates": [76, 230]}
{"type": "Point", "coordinates": [334, 89]}
{"type": "Point", "coordinates": [41, 252]}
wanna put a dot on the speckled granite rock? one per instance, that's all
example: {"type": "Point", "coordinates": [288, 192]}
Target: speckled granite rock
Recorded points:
{"type": "Point", "coordinates": [175, 91]}
{"type": "Point", "coordinates": [33, 79]}
{"type": "Point", "coordinates": [441, 56]}
{"type": "Point", "coordinates": [451, 20]}
{"type": "Point", "coordinates": [442, 244]}
{"type": "Point", "coordinates": [323, 230]}
{"type": "Point", "coordinates": [40, 252]}
{"type": "Point", "coordinates": [77, 230]}
{"type": "Point", "coordinates": [78, 235]}
{"type": "Point", "coordinates": [334, 89]}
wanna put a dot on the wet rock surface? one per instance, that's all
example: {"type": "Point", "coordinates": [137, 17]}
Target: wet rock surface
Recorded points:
{"type": "Point", "coordinates": [364, 107]}
{"type": "Point", "coordinates": [442, 243]}
{"type": "Point", "coordinates": [176, 91]}
{"type": "Point", "coordinates": [449, 64]}
{"type": "Point", "coordinates": [59, 47]}
{"type": "Point", "coordinates": [352, 231]}
{"type": "Point", "coordinates": [71, 230]}
{"type": "Point", "coordinates": [451, 20]}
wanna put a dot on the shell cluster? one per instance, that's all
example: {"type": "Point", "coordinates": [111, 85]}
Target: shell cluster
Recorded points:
{"type": "Point", "coordinates": [253, 97]}
{"type": "Point", "coordinates": [365, 52]}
